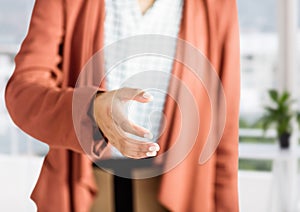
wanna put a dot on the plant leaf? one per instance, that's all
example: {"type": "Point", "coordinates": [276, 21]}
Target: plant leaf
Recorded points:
{"type": "Point", "coordinates": [266, 121]}
{"type": "Point", "coordinates": [284, 97]}
{"type": "Point", "coordinates": [298, 117]}
{"type": "Point", "coordinates": [273, 94]}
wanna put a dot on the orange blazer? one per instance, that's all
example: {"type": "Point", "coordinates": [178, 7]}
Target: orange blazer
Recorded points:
{"type": "Point", "coordinates": [63, 35]}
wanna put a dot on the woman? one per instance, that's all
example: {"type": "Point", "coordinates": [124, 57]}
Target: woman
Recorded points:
{"type": "Point", "coordinates": [62, 37]}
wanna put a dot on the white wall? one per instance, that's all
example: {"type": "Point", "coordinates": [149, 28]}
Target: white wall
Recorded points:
{"type": "Point", "coordinates": [17, 178]}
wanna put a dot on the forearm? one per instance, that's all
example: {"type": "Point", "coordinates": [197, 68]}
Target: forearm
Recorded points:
{"type": "Point", "coordinates": [41, 110]}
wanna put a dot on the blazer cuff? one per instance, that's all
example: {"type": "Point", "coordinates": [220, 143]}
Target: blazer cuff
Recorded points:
{"type": "Point", "coordinates": [100, 141]}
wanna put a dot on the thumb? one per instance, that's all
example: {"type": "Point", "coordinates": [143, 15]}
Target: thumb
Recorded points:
{"type": "Point", "coordinates": [134, 94]}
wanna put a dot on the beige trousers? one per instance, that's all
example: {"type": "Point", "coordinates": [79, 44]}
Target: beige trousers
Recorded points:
{"type": "Point", "coordinates": [144, 194]}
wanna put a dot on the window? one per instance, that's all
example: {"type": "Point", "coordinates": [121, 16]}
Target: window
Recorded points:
{"type": "Point", "coordinates": [259, 51]}
{"type": "Point", "coordinates": [259, 45]}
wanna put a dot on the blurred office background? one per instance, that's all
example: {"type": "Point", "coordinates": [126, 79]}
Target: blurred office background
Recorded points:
{"type": "Point", "coordinates": [268, 178]}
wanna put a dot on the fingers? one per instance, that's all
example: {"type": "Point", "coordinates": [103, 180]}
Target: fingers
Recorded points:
{"type": "Point", "coordinates": [113, 123]}
{"type": "Point", "coordinates": [135, 145]}
{"type": "Point", "coordinates": [134, 94]}
{"type": "Point", "coordinates": [120, 118]}
{"type": "Point", "coordinates": [140, 155]}
{"type": "Point", "coordinates": [137, 149]}
{"type": "Point", "coordinates": [134, 129]}
{"type": "Point", "coordinates": [130, 147]}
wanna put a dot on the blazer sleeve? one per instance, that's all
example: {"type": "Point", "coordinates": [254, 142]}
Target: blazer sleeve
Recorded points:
{"type": "Point", "coordinates": [227, 152]}
{"type": "Point", "coordinates": [35, 99]}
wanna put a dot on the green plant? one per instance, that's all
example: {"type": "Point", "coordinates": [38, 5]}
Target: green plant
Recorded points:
{"type": "Point", "coordinates": [280, 114]}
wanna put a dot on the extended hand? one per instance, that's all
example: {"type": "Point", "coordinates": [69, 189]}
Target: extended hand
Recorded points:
{"type": "Point", "coordinates": [109, 115]}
